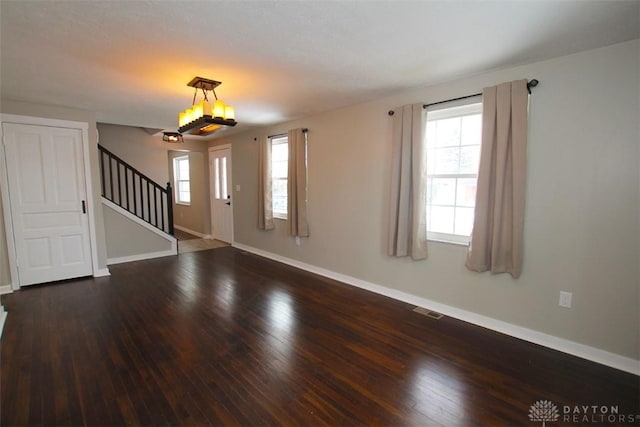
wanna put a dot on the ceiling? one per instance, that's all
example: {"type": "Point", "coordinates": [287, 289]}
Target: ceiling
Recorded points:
{"type": "Point", "coordinates": [130, 61]}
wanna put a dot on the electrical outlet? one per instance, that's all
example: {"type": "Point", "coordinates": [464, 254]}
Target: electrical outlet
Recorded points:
{"type": "Point", "coordinates": [565, 299]}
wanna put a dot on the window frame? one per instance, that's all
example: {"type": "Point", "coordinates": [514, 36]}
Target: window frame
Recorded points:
{"type": "Point", "coordinates": [460, 109]}
{"type": "Point", "coordinates": [177, 179]}
{"type": "Point", "coordinates": [274, 141]}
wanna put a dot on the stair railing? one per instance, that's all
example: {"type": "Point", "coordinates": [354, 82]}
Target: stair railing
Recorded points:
{"type": "Point", "coordinates": [133, 191]}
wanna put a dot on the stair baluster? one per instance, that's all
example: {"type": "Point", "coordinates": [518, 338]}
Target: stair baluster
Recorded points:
{"type": "Point", "coordinates": [139, 192]}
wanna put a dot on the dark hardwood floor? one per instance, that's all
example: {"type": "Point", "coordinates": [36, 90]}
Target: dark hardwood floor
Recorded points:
{"type": "Point", "coordinates": [224, 337]}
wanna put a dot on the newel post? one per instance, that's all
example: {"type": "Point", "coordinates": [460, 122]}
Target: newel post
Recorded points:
{"type": "Point", "coordinates": [170, 207]}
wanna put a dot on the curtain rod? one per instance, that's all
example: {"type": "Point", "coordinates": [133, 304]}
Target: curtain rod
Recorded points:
{"type": "Point", "coordinates": [532, 83]}
{"type": "Point", "coordinates": [304, 130]}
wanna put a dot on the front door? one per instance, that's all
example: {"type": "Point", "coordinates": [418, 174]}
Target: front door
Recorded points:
{"type": "Point", "coordinates": [221, 203]}
{"type": "Point", "coordinates": [47, 193]}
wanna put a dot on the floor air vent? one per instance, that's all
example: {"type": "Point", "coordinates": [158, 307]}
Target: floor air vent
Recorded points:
{"type": "Point", "coordinates": [428, 313]}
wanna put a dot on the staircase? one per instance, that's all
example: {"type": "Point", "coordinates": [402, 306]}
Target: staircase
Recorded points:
{"type": "Point", "coordinates": [125, 186]}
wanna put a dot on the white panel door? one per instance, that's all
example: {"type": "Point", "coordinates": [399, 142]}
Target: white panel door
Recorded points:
{"type": "Point", "coordinates": [47, 192]}
{"type": "Point", "coordinates": [221, 210]}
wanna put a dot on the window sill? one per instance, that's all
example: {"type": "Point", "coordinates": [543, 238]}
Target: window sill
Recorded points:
{"type": "Point", "coordinates": [449, 242]}
{"type": "Point", "coordinates": [183, 204]}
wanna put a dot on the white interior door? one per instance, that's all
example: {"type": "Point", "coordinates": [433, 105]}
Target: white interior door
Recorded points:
{"type": "Point", "coordinates": [47, 193]}
{"type": "Point", "coordinates": [221, 203]}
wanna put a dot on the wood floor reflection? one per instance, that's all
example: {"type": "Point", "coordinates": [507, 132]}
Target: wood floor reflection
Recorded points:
{"type": "Point", "coordinates": [224, 337]}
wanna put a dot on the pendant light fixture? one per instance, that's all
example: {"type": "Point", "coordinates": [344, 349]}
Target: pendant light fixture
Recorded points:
{"type": "Point", "coordinates": [205, 117]}
{"type": "Point", "coordinates": [174, 137]}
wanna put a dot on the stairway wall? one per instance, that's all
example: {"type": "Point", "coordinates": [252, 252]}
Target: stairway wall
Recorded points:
{"type": "Point", "coordinates": [151, 156]}
{"type": "Point", "coordinates": [129, 240]}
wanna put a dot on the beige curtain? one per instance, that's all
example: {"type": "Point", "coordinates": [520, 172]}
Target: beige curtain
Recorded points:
{"type": "Point", "coordinates": [297, 184]}
{"type": "Point", "coordinates": [265, 203]}
{"type": "Point", "coordinates": [497, 237]}
{"type": "Point", "coordinates": [408, 216]}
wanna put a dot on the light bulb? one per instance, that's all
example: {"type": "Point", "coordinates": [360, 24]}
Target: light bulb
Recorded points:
{"type": "Point", "coordinates": [218, 109]}
{"type": "Point", "coordinates": [197, 111]}
{"type": "Point", "coordinates": [206, 108]}
{"type": "Point", "coordinates": [229, 113]}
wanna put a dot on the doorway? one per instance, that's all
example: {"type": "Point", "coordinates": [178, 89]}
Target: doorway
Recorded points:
{"type": "Point", "coordinates": [220, 193]}
{"type": "Point", "coordinates": [48, 202]}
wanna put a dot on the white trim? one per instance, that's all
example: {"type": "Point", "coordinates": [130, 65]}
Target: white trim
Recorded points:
{"type": "Point", "coordinates": [195, 233]}
{"type": "Point", "coordinates": [177, 179]}
{"type": "Point", "coordinates": [4, 183]}
{"type": "Point", "coordinates": [230, 185]}
{"type": "Point", "coordinates": [279, 215]}
{"type": "Point", "coordinates": [443, 112]}
{"type": "Point", "coordinates": [464, 107]}
{"type": "Point", "coordinates": [41, 121]}
{"type": "Point", "coordinates": [140, 257]}
{"type": "Point", "coordinates": [3, 319]}
{"type": "Point", "coordinates": [5, 289]}
{"type": "Point", "coordinates": [103, 272]}
{"type": "Point", "coordinates": [566, 346]}
{"type": "Point", "coordinates": [279, 140]}
{"type": "Point", "coordinates": [8, 220]}
{"type": "Point", "coordinates": [454, 239]}
{"type": "Point", "coordinates": [89, 195]}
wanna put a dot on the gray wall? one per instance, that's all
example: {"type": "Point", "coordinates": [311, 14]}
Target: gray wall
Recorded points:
{"type": "Point", "coordinates": [582, 226]}
{"type": "Point", "coordinates": [145, 152]}
{"type": "Point", "coordinates": [151, 156]}
{"type": "Point", "coordinates": [582, 232]}
{"type": "Point", "coordinates": [195, 216]}
{"type": "Point", "coordinates": [127, 238]}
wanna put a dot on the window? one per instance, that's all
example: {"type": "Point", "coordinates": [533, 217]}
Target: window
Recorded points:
{"type": "Point", "coordinates": [220, 184]}
{"type": "Point", "coordinates": [181, 178]}
{"type": "Point", "coordinates": [453, 137]}
{"type": "Point", "coordinates": [279, 171]}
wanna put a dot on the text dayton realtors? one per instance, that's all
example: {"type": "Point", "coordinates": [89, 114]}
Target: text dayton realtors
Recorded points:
{"type": "Point", "coordinates": [596, 414]}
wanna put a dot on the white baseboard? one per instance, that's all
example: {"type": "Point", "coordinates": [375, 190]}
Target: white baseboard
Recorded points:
{"type": "Point", "coordinates": [102, 272]}
{"type": "Point", "coordinates": [195, 233]}
{"type": "Point", "coordinates": [566, 346]}
{"type": "Point", "coordinates": [140, 257]}
{"type": "Point", "coordinates": [3, 318]}
{"type": "Point", "coordinates": [5, 289]}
